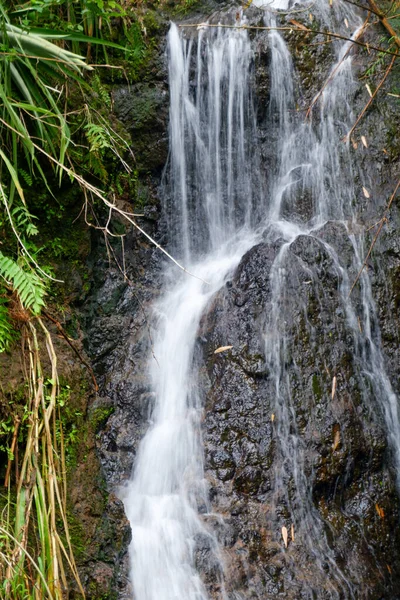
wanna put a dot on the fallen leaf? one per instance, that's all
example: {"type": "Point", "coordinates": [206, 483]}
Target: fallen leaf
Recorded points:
{"type": "Point", "coordinates": [222, 349]}
{"type": "Point", "coordinates": [346, 23]}
{"type": "Point", "coordinates": [285, 536]}
{"type": "Point", "coordinates": [355, 145]}
{"type": "Point", "coordinates": [292, 532]}
{"type": "Point", "coordinates": [380, 511]}
{"type": "Point", "coordinates": [333, 387]}
{"type": "Point", "coordinates": [272, 417]}
{"type": "Point", "coordinates": [299, 25]}
{"type": "Point", "coordinates": [366, 192]}
{"type": "Point", "coordinates": [359, 324]}
{"type": "Point", "coordinates": [311, 17]}
{"type": "Point", "coordinates": [389, 569]}
{"type": "Point", "coordinates": [336, 440]}
{"type": "Point", "coordinates": [368, 90]}
{"type": "Point", "coordinates": [327, 370]}
{"type": "Point", "coordinates": [364, 141]}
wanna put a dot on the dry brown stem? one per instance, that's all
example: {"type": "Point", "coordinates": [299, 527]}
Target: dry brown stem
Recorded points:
{"type": "Point", "coordinates": [385, 22]}
{"type": "Point", "coordinates": [335, 70]}
{"type": "Point", "coordinates": [370, 101]}
{"type": "Point", "coordinates": [293, 29]}
{"type": "Point", "coordinates": [12, 450]}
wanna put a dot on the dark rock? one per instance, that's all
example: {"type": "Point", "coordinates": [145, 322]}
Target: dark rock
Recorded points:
{"type": "Point", "coordinates": [143, 109]}
{"type": "Point", "coordinates": [342, 441]}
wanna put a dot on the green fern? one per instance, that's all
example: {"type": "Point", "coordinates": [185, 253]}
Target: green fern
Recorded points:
{"type": "Point", "coordinates": [23, 221]}
{"type": "Point", "coordinates": [7, 333]}
{"type": "Point", "coordinates": [97, 136]}
{"type": "Point", "coordinates": [27, 177]}
{"type": "Point", "coordinates": [102, 92]}
{"type": "Point", "coordinates": [29, 287]}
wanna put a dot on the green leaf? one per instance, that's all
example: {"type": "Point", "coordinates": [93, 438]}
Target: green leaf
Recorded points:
{"type": "Point", "coordinates": [54, 34]}
{"type": "Point", "coordinates": [14, 176]}
{"type": "Point", "coordinates": [7, 332]}
{"type": "Point", "coordinates": [29, 287]}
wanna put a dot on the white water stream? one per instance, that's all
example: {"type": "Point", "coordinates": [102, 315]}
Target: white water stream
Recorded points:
{"type": "Point", "coordinates": [216, 202]}
{"type": "Point", "coordinates": [211, 170]}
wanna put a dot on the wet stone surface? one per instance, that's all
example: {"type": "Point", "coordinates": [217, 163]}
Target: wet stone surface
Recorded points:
{"type": "Point", "coordinates": [343, 442]}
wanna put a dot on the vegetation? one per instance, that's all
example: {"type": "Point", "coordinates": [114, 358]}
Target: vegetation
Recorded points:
{"type": "Point", "coordinates": [46, 129]}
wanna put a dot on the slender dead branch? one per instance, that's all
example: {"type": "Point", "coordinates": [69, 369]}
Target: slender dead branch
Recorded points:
{"type": "Point", "coordinates": [385, 22]}
{"type": "Point", "coordinates": [383, 220]}
{"type": "Point", "coordinates": [130, 284]}
{"type": "Point", "coordinates": [335, 70]}
{"type": "Point", "coordinates": [128, 217]}
{"type": "Point", "coordinates": [12, 450]}
{"type": "Point", "coordinates": [94, 190]}
{"type": "Point", "coordinates": [370, 101]}
{"type": "Point", "coordinates": [369, 8]}
{"type": "Point", "coordinates": [292, 29]}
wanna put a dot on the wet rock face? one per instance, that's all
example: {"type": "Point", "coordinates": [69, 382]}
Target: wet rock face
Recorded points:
{"type": "Point", "coordinates": [347, 511]}
{"type": "Point", "coordinates": [119, 342]}
{"type": "Point", "coordinates": [143, 109]}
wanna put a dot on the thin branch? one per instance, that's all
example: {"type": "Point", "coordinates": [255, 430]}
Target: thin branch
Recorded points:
{"type": "Point", "coordinates": [292, 29]}
{"type": "Point", "coordinates": [268, 8]}
{"type": "Point", "coordinates": [370, 101]}
{"type": "Point", "coordinates": [86, 185]}
{"type": "Point", "coordinates": [130, 284]}
{"type": "Point", "coordinates": [385, 22]}
{"type": "Point", "coordinates": [12, 449]}
{"type": "Point", "coordinates": [335, 70]}
{"type": "Point", "coordinates": [24, 248]}
{"type": "Point", "coordinates": [369, 8]}
{"type": "Point", "coordinates": [142, 231]}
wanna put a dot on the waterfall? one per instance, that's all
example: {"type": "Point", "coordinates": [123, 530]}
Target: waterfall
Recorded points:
{"type": "Point", "coordinates": [214, 178]}
{"type": "Point", "coordinates": [218, 203]}
{"type": "Point", "coordinates": [213, 168]}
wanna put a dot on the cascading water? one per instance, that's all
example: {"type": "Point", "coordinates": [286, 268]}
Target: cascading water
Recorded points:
{"type": "Point", "coordinates": [218, 205]}
{"type": "Point", "coordinates": [212, 167]}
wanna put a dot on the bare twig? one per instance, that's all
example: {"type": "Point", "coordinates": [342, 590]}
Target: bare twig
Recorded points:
{"type": "Point", "coordinates": [130, 284]}
{"type": "Point", "coordinates": [12, 450]}
{"type": "Point", "coordinates": [369, 8]}
{"type": "Point", "coordinates": [370, 101]}
{"type": "Point", "coordinates": [385, 22]}
{"type": "Point", "coordinates": [94, 190]}
{"type": "Point", "coordinates": [128, 217]}
{"type": "Point", "coordinates": [337, 67]}
{"type": "Point", "coordinates": [292, 29]}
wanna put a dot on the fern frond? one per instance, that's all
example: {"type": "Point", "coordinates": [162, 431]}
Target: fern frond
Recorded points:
{"type": "Point", "coordinates": [23, 220]}
{"type": "Point", "coordinates": [97, 136]}
{"type": "Point", "coordinates": [29, 287]}
{"type": "Point", "coordinates": [7, 333]}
